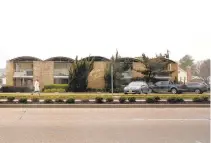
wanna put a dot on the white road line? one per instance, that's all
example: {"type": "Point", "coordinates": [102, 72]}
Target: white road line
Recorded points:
{"type": "Point", "coordinates": [141, 119]}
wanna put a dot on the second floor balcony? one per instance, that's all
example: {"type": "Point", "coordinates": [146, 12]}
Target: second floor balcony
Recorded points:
{"type": "Point", "coordinates": [23, 73]}
{"type": "Point", "coordinates": [61, 72]}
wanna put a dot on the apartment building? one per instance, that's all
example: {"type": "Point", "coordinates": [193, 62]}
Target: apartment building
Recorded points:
{"type": "Point", "coordinates": [23, 71]}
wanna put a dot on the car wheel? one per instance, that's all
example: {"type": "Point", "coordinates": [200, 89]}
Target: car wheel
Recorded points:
{"type": "Point", "coordinates": [150, 90]}
{"type": "Point", "coordinates": [140, 91]}
{"type": "Point", "coordinates": [174, 91]}
{"type": "Point", "coordinates": [198, 91]}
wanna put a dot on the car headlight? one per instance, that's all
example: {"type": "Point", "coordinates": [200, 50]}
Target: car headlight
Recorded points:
{"type": "Point", "coordinates": [125, 88]}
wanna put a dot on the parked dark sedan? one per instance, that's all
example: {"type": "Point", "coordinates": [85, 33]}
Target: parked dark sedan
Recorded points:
{"type": "Point", "coordinates": [167, 86]}
{"type": "Point", "coordinates": [197, 87]}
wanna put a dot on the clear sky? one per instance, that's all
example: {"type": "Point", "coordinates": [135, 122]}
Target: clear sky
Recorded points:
{"type": "Point", "coordinates": [46, 28]}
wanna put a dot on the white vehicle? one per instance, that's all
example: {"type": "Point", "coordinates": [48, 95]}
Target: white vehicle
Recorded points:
{"type": "Point", "coordinates": [137, 87]}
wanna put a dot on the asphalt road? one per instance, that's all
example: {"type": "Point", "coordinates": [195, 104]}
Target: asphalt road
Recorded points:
{"type": "Point", "coordinates": [105, 125]}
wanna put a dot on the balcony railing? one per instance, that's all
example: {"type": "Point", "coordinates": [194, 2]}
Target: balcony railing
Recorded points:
{"type": "Point", "coordinates": [61, 72]}
{"type": "Point", "coordinates": [23, 73]}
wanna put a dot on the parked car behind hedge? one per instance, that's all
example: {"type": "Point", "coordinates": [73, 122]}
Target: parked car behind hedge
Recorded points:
{"type": "Point", "coordinates": [167, 86]}
{"type": "Point", "coordinates": [197, 87]}
{"type": "Point", "coordinates": [137, 87]}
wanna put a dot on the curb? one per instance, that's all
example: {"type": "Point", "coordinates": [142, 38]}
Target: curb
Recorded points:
{"type": "Point", "coordinates": [104, 105]}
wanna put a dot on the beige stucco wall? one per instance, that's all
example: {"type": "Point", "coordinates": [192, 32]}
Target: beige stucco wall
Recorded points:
{"type": "Point", "coordinates": [174, 67]}
{"type": "Point", "coordinates": [43, 71]}
{"type": "Point", "coordinates": [47, 72]}
{"type": "Point", "coordinates": [137, 67]}
{"type": "Point", "coordinates": [9, 73]}
{"type": "Point", "coordinates": [182, 75]}
{"type": "Point", "coordinates": [37, 72]}
{"type": "Point", "coordinates": [96, 76]}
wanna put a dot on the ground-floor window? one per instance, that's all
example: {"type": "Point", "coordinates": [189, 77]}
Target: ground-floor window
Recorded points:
{"type": "Point", "coordinates": [24, 82]}
{"type": "Point", "coordinates": [60, 81]}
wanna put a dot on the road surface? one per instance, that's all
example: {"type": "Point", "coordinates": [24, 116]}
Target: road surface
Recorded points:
{"type": "Point", "coordinates": [105, 125]}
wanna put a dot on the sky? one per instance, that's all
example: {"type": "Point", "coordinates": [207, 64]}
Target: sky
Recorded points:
{"type": "Point", "coordinates": [47, 28]}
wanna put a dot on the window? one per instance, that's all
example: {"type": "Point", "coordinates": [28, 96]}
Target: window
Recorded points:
{"type": "Point", "coordinates": [60, 81]}
{"type": "Point", "coordinates": [169, 67]}
{"type": "Point", "coordinates": [158, 83]}
{"type": "Point", "coordinates": [165, 82]}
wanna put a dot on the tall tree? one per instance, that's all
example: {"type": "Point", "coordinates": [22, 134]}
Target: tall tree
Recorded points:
{"type": "Point", "coordinates": [78, 74]}
{"type": "Point", "coordinates": [153, 67]}
{"type": "Point", "coordinates": [116, 73]}
{"type": "Point", "coordinates": [186, 61]}
{"type": "Point", "coordinates": [204, 70]}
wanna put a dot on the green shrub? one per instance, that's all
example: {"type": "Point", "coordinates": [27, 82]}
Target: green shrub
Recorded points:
{"type": "Point", "coordinates": [131, 99]}
{"type": "Point", "coordinates": [204, 98]}
{"type": "Point", "coordinates": [122, 99]}
{"type": "Point", "coordinates": [150, 100]}
{"type": "Point", "coordinates": [56, 86]}
{"type": "Point", "coordinates": [53, 90]}
{"type": "Point", "coordinates": [196, 99]}
{"type": "Point", "coordinates": [118, 90]}
{"type": "Point", "coordinates": [70, 100]}
{"type": "Point", "coordinates": [175, 99]}
{"type": "Point", "coordinates": [60, 90]}
{"type": "Point", "coordinates": [58, 100]}
{"type": "Point", "coordinates": [99, 99]}
{"type": "Point", "coordinates": [47, 90]}
{"type": "Point", "coordinates": [109, 99]}
{"type": "Point", "coordinates": [157, 98]}
{"type": "Point", "coordinates": [15, 89]}
{"type": "Point", "coordinates": [22, 100]}
{"type": "Point", "coordinates": [35, 100]}
{"type": "Point", "coordinates": [48, 101]}
{"type": "Point", "coordinates": [10, 98]}
{"type": "Point", "coordinates": [200, 99]}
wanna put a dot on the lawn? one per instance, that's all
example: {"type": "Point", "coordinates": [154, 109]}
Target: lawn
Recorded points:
{"type": "Point", "coordinates": [93, 95]}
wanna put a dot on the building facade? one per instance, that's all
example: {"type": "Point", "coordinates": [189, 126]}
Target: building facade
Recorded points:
{"type": "Point", "coordinates": [182, 75]}
{"type": "Point", "coordinates": [23, 71]}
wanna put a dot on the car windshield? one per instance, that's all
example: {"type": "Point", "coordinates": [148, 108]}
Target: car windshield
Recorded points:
{"type": "Point", "coordinates": [136, 84]}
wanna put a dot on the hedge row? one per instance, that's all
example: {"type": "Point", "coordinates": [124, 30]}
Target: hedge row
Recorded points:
{"type": "Point", "coordinates": [122, 99]}
{"type": "Point", "coordinates": [15, 89]}
{"type": "Point", "coordinates": [53, 90]}
{"type": "Point", "coordinates": [56, 86]}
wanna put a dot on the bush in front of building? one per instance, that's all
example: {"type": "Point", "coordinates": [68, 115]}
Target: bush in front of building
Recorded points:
{"type": "Point", "coordinates": [150, 100]}
{"type": "Point", "coordinates": [48, 101]}
{"type": "Point", "coordinates": [200, 99]}
{"type": "Point", "coordinates": [35, 100]}
{"type": "Point", "coordinates": [10, 98]}
{"type": "Point", "coordinates": [58, 100]}
{"type": "Point", "coordinates": [70, 101]}
{"type": "Point", "coordinates": [99, 99]}
{"type": "Point", "coordinates": [64, 87]}
{"type": "Point", "coordinates": [109, 99]}
{"type": "Point", "coordinates": [60, 90]}
{"type": "Point", "coordinates": [15, 89]}
{"type": "Point", "coordinates": [96, 90]}
{"type": "Point", "coordinates": [131, 99]}
{"type": "Point", "coordinates": [22, 100]}
{"type": "Point", "coordinates": [175, 99]}
{"type": "Point", "coordinates": [154, 99]}
{"type": "Point", "coordinates": [122, 99]}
